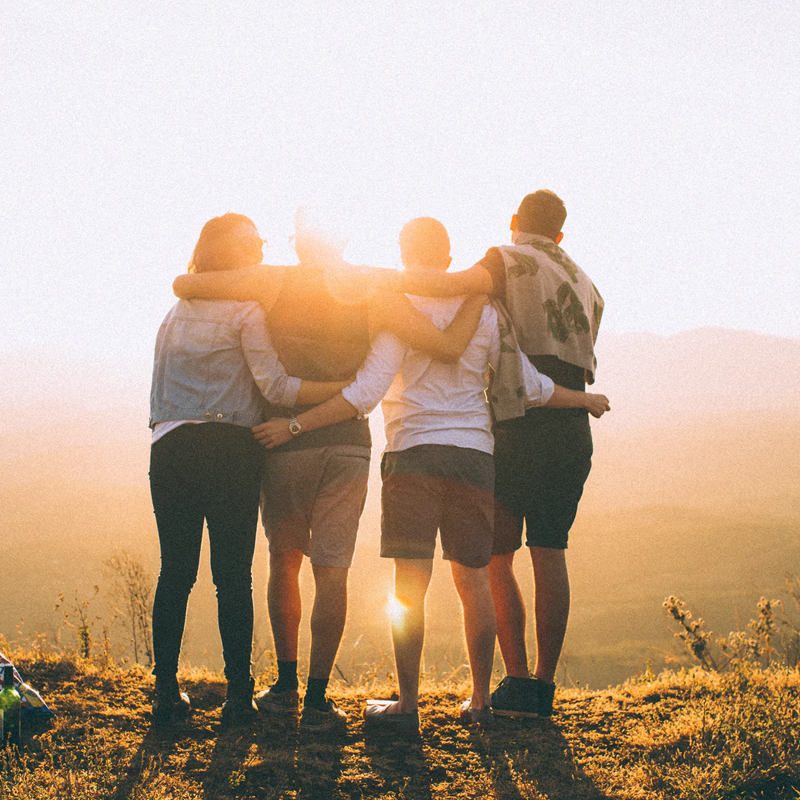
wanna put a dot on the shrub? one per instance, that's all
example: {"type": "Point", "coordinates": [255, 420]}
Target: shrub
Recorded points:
{"type": "Point", "coordinates": [770, 638]}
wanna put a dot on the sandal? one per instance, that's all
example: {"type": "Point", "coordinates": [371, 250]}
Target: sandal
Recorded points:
{"type": "Point", "coordinates": [378, 717]}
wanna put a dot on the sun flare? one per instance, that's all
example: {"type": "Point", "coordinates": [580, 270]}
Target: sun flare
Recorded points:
{"type": "Point", "coordinates": [395, 610]}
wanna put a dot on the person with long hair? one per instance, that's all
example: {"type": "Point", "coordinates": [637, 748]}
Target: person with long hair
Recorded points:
{"type": "Point", "coordinates": [215, 366]}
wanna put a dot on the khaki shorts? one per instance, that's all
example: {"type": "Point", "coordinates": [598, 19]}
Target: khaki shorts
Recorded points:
{"type": "Point", "coordinates": [311, 500]}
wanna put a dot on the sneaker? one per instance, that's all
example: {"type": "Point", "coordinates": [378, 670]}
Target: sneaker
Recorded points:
{"type": "Point", "coordinates": [239, 708]}
{"type": "Point", "coordinates": [545, 693]}
{"type": "Point", "coordinates": [320, 720]}
{"type": "Point", "coordinates": [376, 717]}
{"type": "Point", "coordinates": [273, 702]}
{"type": "Point", "coordinates": [169, 702]}
{"type": "Point", "coordinates": [470, 715]}
{"type": "Point", "coordinates": [523, 697]}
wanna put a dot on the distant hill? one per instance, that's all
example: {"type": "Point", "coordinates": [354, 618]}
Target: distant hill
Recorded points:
{"type": "Point", "coordinates": [649, 378]}
{"type": "Point", "coordinates": [654, 380]}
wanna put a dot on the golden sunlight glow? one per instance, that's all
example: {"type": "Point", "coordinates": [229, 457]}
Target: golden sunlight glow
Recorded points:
{"type": "Point", "coordinates": [396, 610]}
{"type": "Point", "coordinates": [349, 284]}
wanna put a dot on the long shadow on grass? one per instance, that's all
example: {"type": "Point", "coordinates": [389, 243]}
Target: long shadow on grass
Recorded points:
{"type": "Point", "coordinates": [154, 749]}
{"type": "Point", "coordinates": [398, 765]}
{"type": "Point", "coordinates": [318, 764]}
{"type": "Point", "coordinates": [533, 754]}
{"type": "Point", "coordinates": [229, 766]}
{"type": "Point", "coordinates": [273, 758]}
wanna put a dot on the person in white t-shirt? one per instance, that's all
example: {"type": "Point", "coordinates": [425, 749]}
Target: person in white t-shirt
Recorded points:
{"type": "Point", "coordinates": [438, 473]}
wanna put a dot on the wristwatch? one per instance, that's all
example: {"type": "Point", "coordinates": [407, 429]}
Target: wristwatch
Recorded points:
{"type": "Point", "coordinates": [295, 428]}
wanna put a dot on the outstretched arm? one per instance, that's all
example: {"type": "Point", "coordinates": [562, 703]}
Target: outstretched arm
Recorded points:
{"type": "Point", "coordinates": [373, 380]}
{"type": "Point", "coordinates": [261, 283]}
{"type": "Point", "coordinates": [595, 404]}
{"type": "Point", "coordinates": [537, 387]}
{"type": "Point", "coordinates": [398, 315]}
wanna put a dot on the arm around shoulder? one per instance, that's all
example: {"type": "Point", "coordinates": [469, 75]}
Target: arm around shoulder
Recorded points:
{"type": "Point", "coordinates": [433, 283]}
{"type": "Point", "coordinates": [261, 283]}
{"type": "Point", "coordinates": [397, 314]}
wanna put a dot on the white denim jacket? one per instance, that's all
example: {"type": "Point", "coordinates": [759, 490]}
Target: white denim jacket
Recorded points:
{"type": "Point", "coordinates": [214, 361]}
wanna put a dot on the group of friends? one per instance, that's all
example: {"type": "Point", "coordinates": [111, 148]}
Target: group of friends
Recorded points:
{"type": "Point", "coordinates": [262, 383]}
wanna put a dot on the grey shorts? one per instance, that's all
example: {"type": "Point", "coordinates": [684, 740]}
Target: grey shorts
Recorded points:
{"type": "Point", "coordinates": [440, 487]}
{"type": "Point", "coordinates": [311, 500]}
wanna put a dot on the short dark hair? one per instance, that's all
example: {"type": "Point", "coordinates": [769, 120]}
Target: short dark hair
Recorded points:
{"type": "Point", "coordinates": [542, 212]}
{"type": "Point", "coordinates": [425, 240]}
{"type": "Point", "coordinates": [213, 251]}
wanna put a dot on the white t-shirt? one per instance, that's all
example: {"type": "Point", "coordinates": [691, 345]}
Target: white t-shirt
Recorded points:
{"type": "Point", "coordinates": [430, 402]}
{"type": "Point", "coordinates": [163, 428]}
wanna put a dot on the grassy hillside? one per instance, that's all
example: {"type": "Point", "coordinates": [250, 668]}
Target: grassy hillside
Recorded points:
{"type": "Point", "coordinates": [687, 735]}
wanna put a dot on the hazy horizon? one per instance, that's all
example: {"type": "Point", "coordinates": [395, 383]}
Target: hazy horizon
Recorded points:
{"type": "Point", "coordinates": [694, 491]}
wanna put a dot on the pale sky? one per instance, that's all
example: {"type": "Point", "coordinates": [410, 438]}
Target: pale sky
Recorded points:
{"type": "Point", "coordinates": [670, 129]}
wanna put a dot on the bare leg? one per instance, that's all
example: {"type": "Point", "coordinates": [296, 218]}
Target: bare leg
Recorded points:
{"type": "Point", "coordinates": [509, 608]}
{"type": "Point", "coordinates": [327, 619]}
{"type": "Point", "coordinates": [479, 626]}
{"type": "Point", "coordinates": [552, 608]}
{"type": "Point", "coordinates": [283, 599]}
{"type": "Point", "coordinates": [411, 579]}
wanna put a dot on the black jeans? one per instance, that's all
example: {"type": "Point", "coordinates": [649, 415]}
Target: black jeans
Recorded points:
{"type": "Point", "coordinates": [208, 472]}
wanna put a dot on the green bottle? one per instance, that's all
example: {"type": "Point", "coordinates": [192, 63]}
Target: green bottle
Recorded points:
{"type": "Point", "coordinates": [9, 709]}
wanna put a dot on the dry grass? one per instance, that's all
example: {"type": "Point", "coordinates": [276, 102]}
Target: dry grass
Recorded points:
{"type": "Point", "coordinates": [679, 735]}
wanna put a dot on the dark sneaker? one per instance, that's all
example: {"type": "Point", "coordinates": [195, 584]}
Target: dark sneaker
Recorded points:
{"type": "Point", "coordinates": [320, 720]}
{"type": "Point", "coordinates": [544, 697]}
{"type": "Point", "coordinates": [523, 697]}
{"type": "Point", "coordinates": [169, 702]}
{"type": "Point", "coordinates": [273, 702]}
{"type": "Point", "coordinates": [239, 708]}
{"type": "Point", "coordinates": [470, 715]}
{"type": "Point", "coordinates": [377, 717]}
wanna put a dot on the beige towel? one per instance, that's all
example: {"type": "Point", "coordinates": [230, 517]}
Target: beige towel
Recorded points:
{"type": "Point", "coordinates": [507, 390]}
{"type": "Point", "coordinates": [555, 307]}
